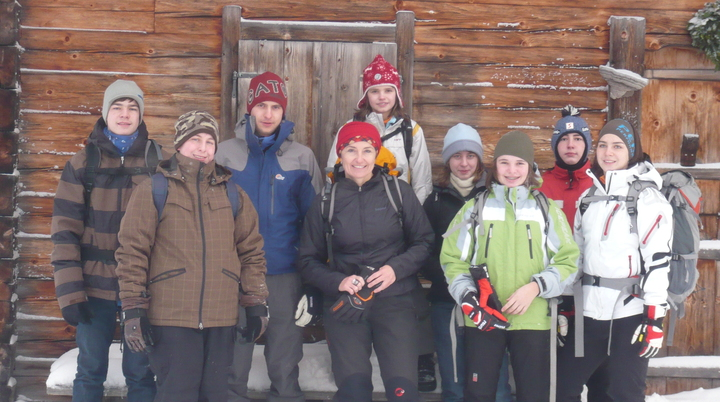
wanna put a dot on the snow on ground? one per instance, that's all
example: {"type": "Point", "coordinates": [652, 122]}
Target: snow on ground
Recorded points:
{"type": "Point", "coordinates": [315, 374]}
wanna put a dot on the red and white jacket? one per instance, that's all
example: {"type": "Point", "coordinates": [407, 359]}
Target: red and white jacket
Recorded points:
{"type": "Point", "coordinates": [609, 249]}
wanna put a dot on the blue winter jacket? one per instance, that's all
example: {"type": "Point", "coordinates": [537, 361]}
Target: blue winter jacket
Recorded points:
{"type": "Point", "coordinates": [281, 182]}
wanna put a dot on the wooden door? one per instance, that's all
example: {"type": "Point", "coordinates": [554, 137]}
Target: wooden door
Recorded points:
{"type": "Point", "coordinates": [323, 79]}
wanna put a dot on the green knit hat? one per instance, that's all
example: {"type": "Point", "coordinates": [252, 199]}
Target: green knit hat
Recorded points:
{"type": "Point", "coordinates": [516, 143]}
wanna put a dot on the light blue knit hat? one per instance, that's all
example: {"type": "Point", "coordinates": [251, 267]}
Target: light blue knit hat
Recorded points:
{"type": "Point", "coordinates": [461, 137]}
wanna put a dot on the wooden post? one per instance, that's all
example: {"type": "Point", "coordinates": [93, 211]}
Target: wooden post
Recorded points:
{"type": "Point", "coordinates": [627, 51]}
{"type": "Point", "coordinates": [231, 31]}
{"type": "Point", "coordinates": [405, 38]}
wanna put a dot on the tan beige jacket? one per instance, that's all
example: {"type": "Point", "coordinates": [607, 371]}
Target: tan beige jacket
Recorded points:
{"type": "Point", "coordinates": [194, 260]}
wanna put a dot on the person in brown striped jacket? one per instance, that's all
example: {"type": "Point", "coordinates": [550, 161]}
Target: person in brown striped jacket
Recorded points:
{"type": "Point", "coordinates": [90, 201]}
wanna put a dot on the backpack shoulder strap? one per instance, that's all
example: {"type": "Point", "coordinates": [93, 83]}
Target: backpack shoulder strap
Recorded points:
{"type": "Point", "coordinates": [92, 162]}
{"type": "Point", "coordinates": [159, 192]}
{"type": "Point", "coordinates": [544, 205]}
{"type": "Point", "coordinates": [395, 196]}
{"type": "Point", "coordinates": [327, 209]}
{"type": "Point", "coordinates": [153, 154]}
{"type": "Point", "coordinates": [475, 218]}
{"type": "Point", "coordinates": [233, 196]}
{"type": "Point", "coordinates": [631, 200]}
{"type": "Point", "coordinates": [407, 132]}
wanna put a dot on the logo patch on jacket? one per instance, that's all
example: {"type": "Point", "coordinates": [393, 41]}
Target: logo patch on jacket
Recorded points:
{"type": "Point", "coordinates": [279, 177]}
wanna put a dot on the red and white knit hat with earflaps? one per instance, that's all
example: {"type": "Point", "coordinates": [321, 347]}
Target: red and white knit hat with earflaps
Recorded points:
{"type": "Point", "coordinates": [380, 72]}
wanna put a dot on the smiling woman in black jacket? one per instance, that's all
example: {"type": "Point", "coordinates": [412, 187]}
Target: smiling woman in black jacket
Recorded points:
{"type": "Point", "coordinates": [376, 253]}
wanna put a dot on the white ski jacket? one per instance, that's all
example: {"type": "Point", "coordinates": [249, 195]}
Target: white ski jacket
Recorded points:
{"type": "Point", "coordinates": [608, 249]}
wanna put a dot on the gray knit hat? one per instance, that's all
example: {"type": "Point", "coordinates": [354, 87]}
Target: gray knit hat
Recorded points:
{"type": "Point", "coordinates": [516, 143]}
{"type": "Point", "coordinates": [461, 137]}
{"type": "Point", "coordinates": [193, 123]}
{"type": "Point", "coordinates": [123, 89]}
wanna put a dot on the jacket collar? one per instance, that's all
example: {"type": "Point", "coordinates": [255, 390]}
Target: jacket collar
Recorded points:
{"type": "Point", "coordinates": [182, 168]}
{"type": "Point", "coordinates": [245, 131]}
{"type": "Point", "coordinates": [619, 181]}
{"type": "Point", "coordinates": [105, 145]}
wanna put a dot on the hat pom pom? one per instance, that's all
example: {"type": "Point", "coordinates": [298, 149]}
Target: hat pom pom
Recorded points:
{"type": "Point", "coordinates": [570, 110]}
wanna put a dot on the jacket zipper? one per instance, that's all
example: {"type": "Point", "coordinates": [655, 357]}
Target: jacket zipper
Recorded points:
{"type": "Point", "coordinates": [652, 229]}
{"type": "Point", "coordinates": [204, 250]}
{"type": "Point", "coordinates": [609, 220]}
{"type": "Point", "coordinates": [630, 273]}
{"type": "Point", "coordinates": [272, 195]}
{"type": "Point", "coordinates": [487, 240]}
{"type": "Point", "coordinates": [529, 234]}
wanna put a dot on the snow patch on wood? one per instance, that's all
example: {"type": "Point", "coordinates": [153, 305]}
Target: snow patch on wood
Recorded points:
{"type": "Point", "coordinates": [41, 194]}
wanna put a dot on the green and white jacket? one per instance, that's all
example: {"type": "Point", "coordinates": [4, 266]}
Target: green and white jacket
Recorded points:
{"type": "Point", "coordinates": [516, 250]}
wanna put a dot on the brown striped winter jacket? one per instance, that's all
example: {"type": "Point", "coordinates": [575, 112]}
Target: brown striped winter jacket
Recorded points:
{"type": "Point", "coordinates": [85, 237]}
{"type": "Point", "coordinates": [192, 262]}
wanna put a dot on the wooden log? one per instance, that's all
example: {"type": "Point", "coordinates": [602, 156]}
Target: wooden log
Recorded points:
{"type": "Point", "coordinates": [37, 206]}
{"type": "Point", "coordinates": [43, 330]}
{"type": "Point", "coordinates": [39, 309]}
{"type": "Point", "coordinates": [100, 5]}
{"type": "Point", "coordinates": [510, 55]}
{"type": "Point", "coordinates": [8, 104]}
{"type": "Point", "coordinates": [535, 18]}
{"type": "Point", "coordinates": [84, 18]}
{"type": "Point", "coordinates": [231, 31]}
{"type": "Point", "coordinates": [63, 84]}
{"type": "Point", "coordinates": [519, 96]}
{"type": "Point", "coordinates": [7, 184]}
{"type": "Point", "coordinates": [35, 248]}
{"type": "Point", "coordinates": [38, 181]}
{"type": "Point", "coordinates": [156, 44]}
{"type": "Point", "coordinates": [7, 223]}
{"type": "Point", "coordinates": [405, 38]}
{"type": "Point", "coordinates": [593, 5]}
{"type": "Point", "coordinates": [8, 152]}
{"type": "Point", "coordinates": [34, 224]}
{"type": "Point", "coordinates": [6, 271]}
{"type": "Point", "coordinates": [51, 349]}
{"type": "Point", "coordinates": [8, 22]}
{"type": "Point", "coordinates": [688, 149]}
{"type": "Point", "coordinates": [34, 289]}
{"type": "Point", "coordinates": [678, 57]}
{"type": "Point", "coordinates": [110, 62]}
{"type": "Point", "coordinates": [559, 38]}
{"type": "Point", "coordinates": [29, 268]}
{"type": "Point", "coordinates": [9, 65]}
{"type": "Point", "coordinates": [557, 77]}
{"type": "Point", "coordinates": [627, 51]}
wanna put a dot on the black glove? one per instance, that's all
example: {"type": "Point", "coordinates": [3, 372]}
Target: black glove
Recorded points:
{"type": "Point", "coordinates": [137, 330]}
{"type": "Point", "coordinates": [352, 308]}
{"type": "Point", "coordinates": [77, 313]}
{"type": "Point", "coordinates": [483, 319]}
{"type": "Point", "coordinates": [309, 309]}
{"type": "Point", "coordinates": [256, 322]}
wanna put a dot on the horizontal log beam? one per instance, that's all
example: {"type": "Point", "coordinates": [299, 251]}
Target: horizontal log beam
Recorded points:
{"type": "Point", "coordinates": [683, 74]}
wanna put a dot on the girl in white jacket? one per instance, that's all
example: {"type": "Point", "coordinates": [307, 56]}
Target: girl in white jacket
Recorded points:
{"type": "Point", "coordinates": [622, 289]}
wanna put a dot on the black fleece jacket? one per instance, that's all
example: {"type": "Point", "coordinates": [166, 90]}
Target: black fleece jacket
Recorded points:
{"type": "Point", "coordinates": [367, 231]}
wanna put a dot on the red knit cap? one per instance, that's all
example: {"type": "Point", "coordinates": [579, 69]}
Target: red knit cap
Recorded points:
{"type": "Point", "coordinates": [356, 131]}
{"type": "Point", "coordinates": [380, 72]}
{"type": "Point", "coordinates": [267, 87]}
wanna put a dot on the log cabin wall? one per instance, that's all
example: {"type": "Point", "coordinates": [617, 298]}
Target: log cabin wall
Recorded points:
{"type": "Point", "coordinates": [497, 65]}
{"type": "Point", "coordinates": [9, 67]}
